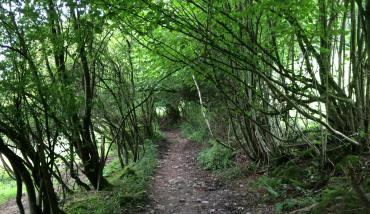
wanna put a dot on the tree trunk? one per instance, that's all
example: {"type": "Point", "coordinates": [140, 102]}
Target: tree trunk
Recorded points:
{"type": "Point", "coordinates": [19, 168]}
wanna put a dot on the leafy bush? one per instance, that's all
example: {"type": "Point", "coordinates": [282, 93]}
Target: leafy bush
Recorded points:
{"type": "Point", "coordinates": [273, 186]}
{"type": "Point", "coordinates": [290, 204]}
{"type": "Point", "coordinates": [339, 196]}
{"type": "Point", "coordinates": [192, 112]}
{"type": "Point", "coordinates": [284, 188]}
{"type": "Point", "coordinates": [194, 128]}
{"type": "Point", "coordinates": [230, 173]}
{"type": "Point", "coordinates": [349, 163]}
{"type": "Point", "coordinates": [299, 184]}
{"type": "Point", "coordinates": [216, 157]}
{"type": "Point", "coordinates": [129, 194]}
{"type": "Point", "coordinates": [199, 134]}
{"type": "Point", "coordinates": [291, 173]}
{"type": "Point", "coordinates": [158, 136]}
{"type": "Point", "coordinates": [133, 194]}
{"type": "Point", "coordinates": [112, 168]}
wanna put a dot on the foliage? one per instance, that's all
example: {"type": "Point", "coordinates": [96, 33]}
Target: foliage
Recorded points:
{"type": "Point", "coordinates": [194, 127]}
{"type": "Point", "coordinates": [350, 163]}
{"type": "Point", "coordinates": [133, 187]}
{"type": "Point", "coordinates": [112, 167]}
{"type": "Point", "coordinates": [8, 191]}
{"type": "Point", "coordinates": [129, 192]}
{"type": "Point", "coordinates": [338, 195]}
{"type": "Point", "coordinates": [230, 173]}
{"type": "Point", "coordinates": [273, 186]}
{"type": "Point", "coordinates": [216, 157]}
{"type": "Point", "coordinates": [8, 186]}
{"type": "Point", "coordinates": [199, 134]}
{"type": "Point", "coordinates": [95, 203]}
{"type": "Point", "coordinates": [297, 185]}
{"type": "Point", "coordinates": [275, 77]}
{"type": "Point", "coordinates": [285, 193]}
{"type": "Point", "coordinates": [290, 204]}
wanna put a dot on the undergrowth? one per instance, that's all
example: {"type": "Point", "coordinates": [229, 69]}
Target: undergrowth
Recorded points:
{"type": "Point", "coordinates": [194, 128]}
{"type": "Point", "coordinates": [302, 186]}
{"type": "Point", "coordinates": [296, 180]}
{"type": "Point", "coordinates": [129, 193]}
{"type": "Point", "coordinates": [8, 187]}
{"type": "Point", "coordinates": [195, 133]}
{"type": "Point", "coordinates": [216, 157]}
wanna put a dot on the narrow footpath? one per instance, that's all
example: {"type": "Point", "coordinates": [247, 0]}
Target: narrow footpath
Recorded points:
{"type": "Point", "coordinates": [180, 186]}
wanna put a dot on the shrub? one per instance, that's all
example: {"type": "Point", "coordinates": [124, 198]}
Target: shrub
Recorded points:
{"type": "Point", "coordinates": [273, 186]}
{"type": "Point", "coordinates": [128, 195]}
{"type": "Point", "coordinates": [197, 134]}
{"type": "Point", "coordinates": [339, 196]}
{"type": "Point", "coordinates": [290, 204]}
{"type": "Point", "coordinates": [216, 157]}
{"type": "Point", "coordinates": [230, 173]}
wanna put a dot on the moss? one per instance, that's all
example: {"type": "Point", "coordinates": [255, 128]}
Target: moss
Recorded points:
{"type": "Point", "coordinates": [94, 202]}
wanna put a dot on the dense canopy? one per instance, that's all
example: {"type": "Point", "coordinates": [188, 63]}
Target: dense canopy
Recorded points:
{"type": "Point", "coordinates": [276, 81]}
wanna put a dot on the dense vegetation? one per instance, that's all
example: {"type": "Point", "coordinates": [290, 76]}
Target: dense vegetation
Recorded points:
{"type": "Point", "coordinates": [285, 84]}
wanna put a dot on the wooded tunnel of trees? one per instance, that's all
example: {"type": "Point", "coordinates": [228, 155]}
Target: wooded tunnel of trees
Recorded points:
{"type": "Point", "coordinates": [285, 84]}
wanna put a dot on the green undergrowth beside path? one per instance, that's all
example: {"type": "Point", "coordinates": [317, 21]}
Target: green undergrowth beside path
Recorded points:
{"type": "Point", "coordinates": [129, 193]}
{"type": "Point", "coordinates": [219, 160]}
{"type": "Point", "coordinates": [193, 132]}
{"type": "Point", "coordinates": [8, 187]}
{"type": "Point", "coordinates": [300, 186]}
{"type": "Point", "coordinates": [292, 182]}
{"type": "Point", "coordinates": [213, 156]}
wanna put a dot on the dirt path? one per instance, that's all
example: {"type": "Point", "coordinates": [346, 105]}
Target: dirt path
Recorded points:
{"type": "Point", "coordinates": [10, 207]}
{"type": "Point", "coordinates": [180, 186]}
